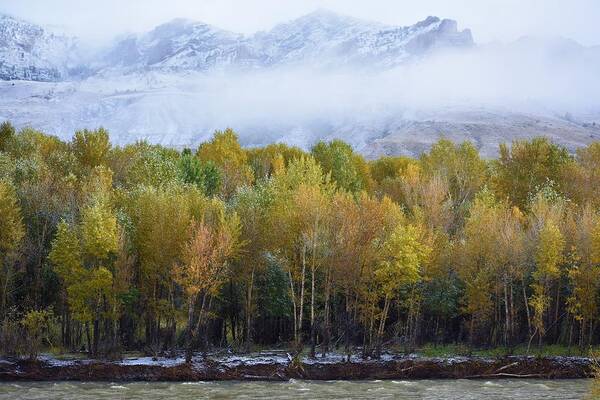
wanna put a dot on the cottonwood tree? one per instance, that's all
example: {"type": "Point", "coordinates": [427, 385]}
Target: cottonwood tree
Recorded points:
{"type": "Point", "coordinates": [526, 166]}
{"type": "Point", "coordinates": [252, 205]}
{"type": "Point", "coordinates": [225, 151]}
{"type": "Point", "coordinates": [348, 170]}
{"type": "Point", "coordinates": [295, 228]}
{"type": "Point", "coordinates": [478, 258]}
{"type": "Point", "coordinates": [91, 147]}
{"type": "Point", "coordinates": [460, 166]}
{"type": "Point", "coordinates": [548, 259]}
{"type": "Point", "coordinates": [204, 266]}
{"type": "Point", "coordinates": [12, 232]}
{"type": "Point", "coordinates": [402, 258]}
{"type": "Point", "coordinates": [584, 272]}
{"type": "Point", "coordinates": [160, 220]}
{"type": "Point", "coordinates": [80, 255]}
{"type": "Point", "coordinates": [375, 222]}
{"type": "Point", "coordinates": [546, 252]}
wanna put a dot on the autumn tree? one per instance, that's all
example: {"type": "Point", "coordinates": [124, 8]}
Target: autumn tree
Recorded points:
{"type": "Point", "coordinates": [91, 147]}
{"type": "Point", "coordinates": [160, 219]}
{"type": "Point", "coordinates": [370, 222]}
{"type": "Point", "coordinates": [12, 232]}
{"type": "Point", "coordinates": [347, 169]}
{"type": "Point", "coordinates": [252, 205]}
{"type": "Point", "coordinates": [546, 254]}
{"type": "Point", "coordinates": [204, 264]}
{"type": "Point", "coordinates": [581, 179]}
{"type": "Point", "coordinates": [548, 259]}
{"type": "Point", "coordinates": [271, 159]}
{"type": "Point", "coordinates": [461, 166]}
{"type": "Point", "coordinates": [81, 255]}
{"type": "Point", "coordinates": [297, 224]}
{"type": "Point", "coordinates": [526, 166]}
{"type": "Point", "coordinates": [225, 151]}
{"type": "Point", "coordinates": [478, 258]}
{"type": "Point", "coordinates": [584, 272]}
{"type": "Point", "coordinates": [7, 133]}
{"type": "Point", "coordinates": [402, 256]}
{"type": "Point", "coordinates": [311, 208]}
{"type": "Point", "coordinates": [205, 176]}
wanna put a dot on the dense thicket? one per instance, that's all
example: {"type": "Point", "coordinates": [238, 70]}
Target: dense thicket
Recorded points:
{"type": "Point", "coordinates": [105, 249]}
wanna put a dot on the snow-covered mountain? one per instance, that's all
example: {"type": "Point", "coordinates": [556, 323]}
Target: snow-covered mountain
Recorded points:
{"type": "Point", "coordinates": [177, 45]}
{"type": "Point", "coordinates": [384, 89]}
{"type": "Point", "coordinates": [322, 37]}
{"type": "Point", "coordinates": [29, 52]}
{"type": "Point", "coordinates": [329, 38]}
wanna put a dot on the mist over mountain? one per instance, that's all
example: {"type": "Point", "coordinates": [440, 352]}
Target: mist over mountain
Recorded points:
{"type": "Point", "coordinates": [384, 89]}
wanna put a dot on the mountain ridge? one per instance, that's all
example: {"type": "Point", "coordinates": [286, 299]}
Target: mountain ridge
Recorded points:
{"type": "Point", "coordinates": [187, 45]}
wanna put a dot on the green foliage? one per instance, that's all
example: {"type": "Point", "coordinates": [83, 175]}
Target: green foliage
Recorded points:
{"type": "Point", "coordinates": [66, 254]}
{"type": "Point", "coordinates": [99, 232]}
{"type": "Point", "coordinates": [154, 166]}
{"type": "Point", "coordinates": [528, 165]}
{"type": "Point", "coordinates": [225, 152]}
{"type": "Point", "coordinates": [403, 255]}
{"type": "Point", "coordinates": [78, 254]}
{"type": "Point", "coordinates": [304, 170]}
{"type": "Point", "coordinates": [274, 158]}
{"type": "Point", "coordinates": [347, 169]}
{"type": "Point", "coordinates": [36, 325]}
{"type": "Point", "coordinates": [460, 164]}
{"type": "Point", "coordinates": [206, 176]}
{"type": "Point", "coordinates": [91, 147]}
{"type": "Point", "coordinates": [273, 291]}
{"type": "Point", "coordinates": [7, 134]}
{"type": "Point", "coordinates": [11, 224]}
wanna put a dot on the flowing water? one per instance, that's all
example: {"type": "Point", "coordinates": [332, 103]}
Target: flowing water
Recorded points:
{"type": "Point", "coordinates": [438, 390]}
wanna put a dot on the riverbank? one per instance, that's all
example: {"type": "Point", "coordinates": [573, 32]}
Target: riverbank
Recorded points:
{"type": "Point", "coordinates": [279, 366]}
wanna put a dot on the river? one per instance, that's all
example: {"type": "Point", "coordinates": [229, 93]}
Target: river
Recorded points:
{"type": "Point", "coordinates": [293, 389]}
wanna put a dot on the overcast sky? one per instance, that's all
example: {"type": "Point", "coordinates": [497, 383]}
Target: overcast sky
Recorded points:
{"type": "Point", "coordinates": [490, 20]}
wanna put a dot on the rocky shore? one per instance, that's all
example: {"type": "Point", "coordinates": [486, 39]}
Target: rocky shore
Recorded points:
{"type": "Point", "coordinates": [280, 367]}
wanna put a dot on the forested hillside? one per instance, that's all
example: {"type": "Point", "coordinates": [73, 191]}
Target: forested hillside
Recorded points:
{"type": "Point", "coordinates": [105, 249]}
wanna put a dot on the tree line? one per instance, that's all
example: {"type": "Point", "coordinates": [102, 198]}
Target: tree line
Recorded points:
{"type": "Point", "coordinates": [142, 247]}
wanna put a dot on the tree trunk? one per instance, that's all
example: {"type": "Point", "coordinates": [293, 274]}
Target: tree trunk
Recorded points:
{"type": "Point", "coordinates": [89, 338]}
{"type": "Point", "coordinates": [293, 296]}
{"type": "Point", "coordinates": [507, 322]}
{"type": "Point", "coordinates": [7, 277]}
{"type": "Point", "coordinates": [96, 336]}
{"type": "Point", "coordinates": [249, 311]}
{"type": "Point", "coordinates": [189, 332]}
{"type": "Point", "coordinates": [301, 309]}
{"type": "Point", "coordinates": [313, 331]}
{"type": "Point", "coordinates": [326, 328]}
{"type": "Point", "coordinates": [556, 309]}
{"type": "Point", "coordinates": [381, 329]}
{"type": "Point", "coordinates": [526, 308]}
{"type": "Point", "coordinates": [347, 326]}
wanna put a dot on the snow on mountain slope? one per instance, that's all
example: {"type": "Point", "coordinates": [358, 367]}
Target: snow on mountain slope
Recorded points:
{"type": "Point", "coordinates": [180, 45]}
{"type": "Point", "coordinates": [29, 52]}
{"type": "Point", "coordinates": [320, 37]}
{"type": "Point", "coordinates": [330, 38]}
{"type": "Point", "coordinates": [384, 89]}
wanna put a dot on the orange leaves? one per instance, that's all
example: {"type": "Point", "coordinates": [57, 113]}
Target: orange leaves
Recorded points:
{"type": "Point", "coordinates": [206, 254]}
